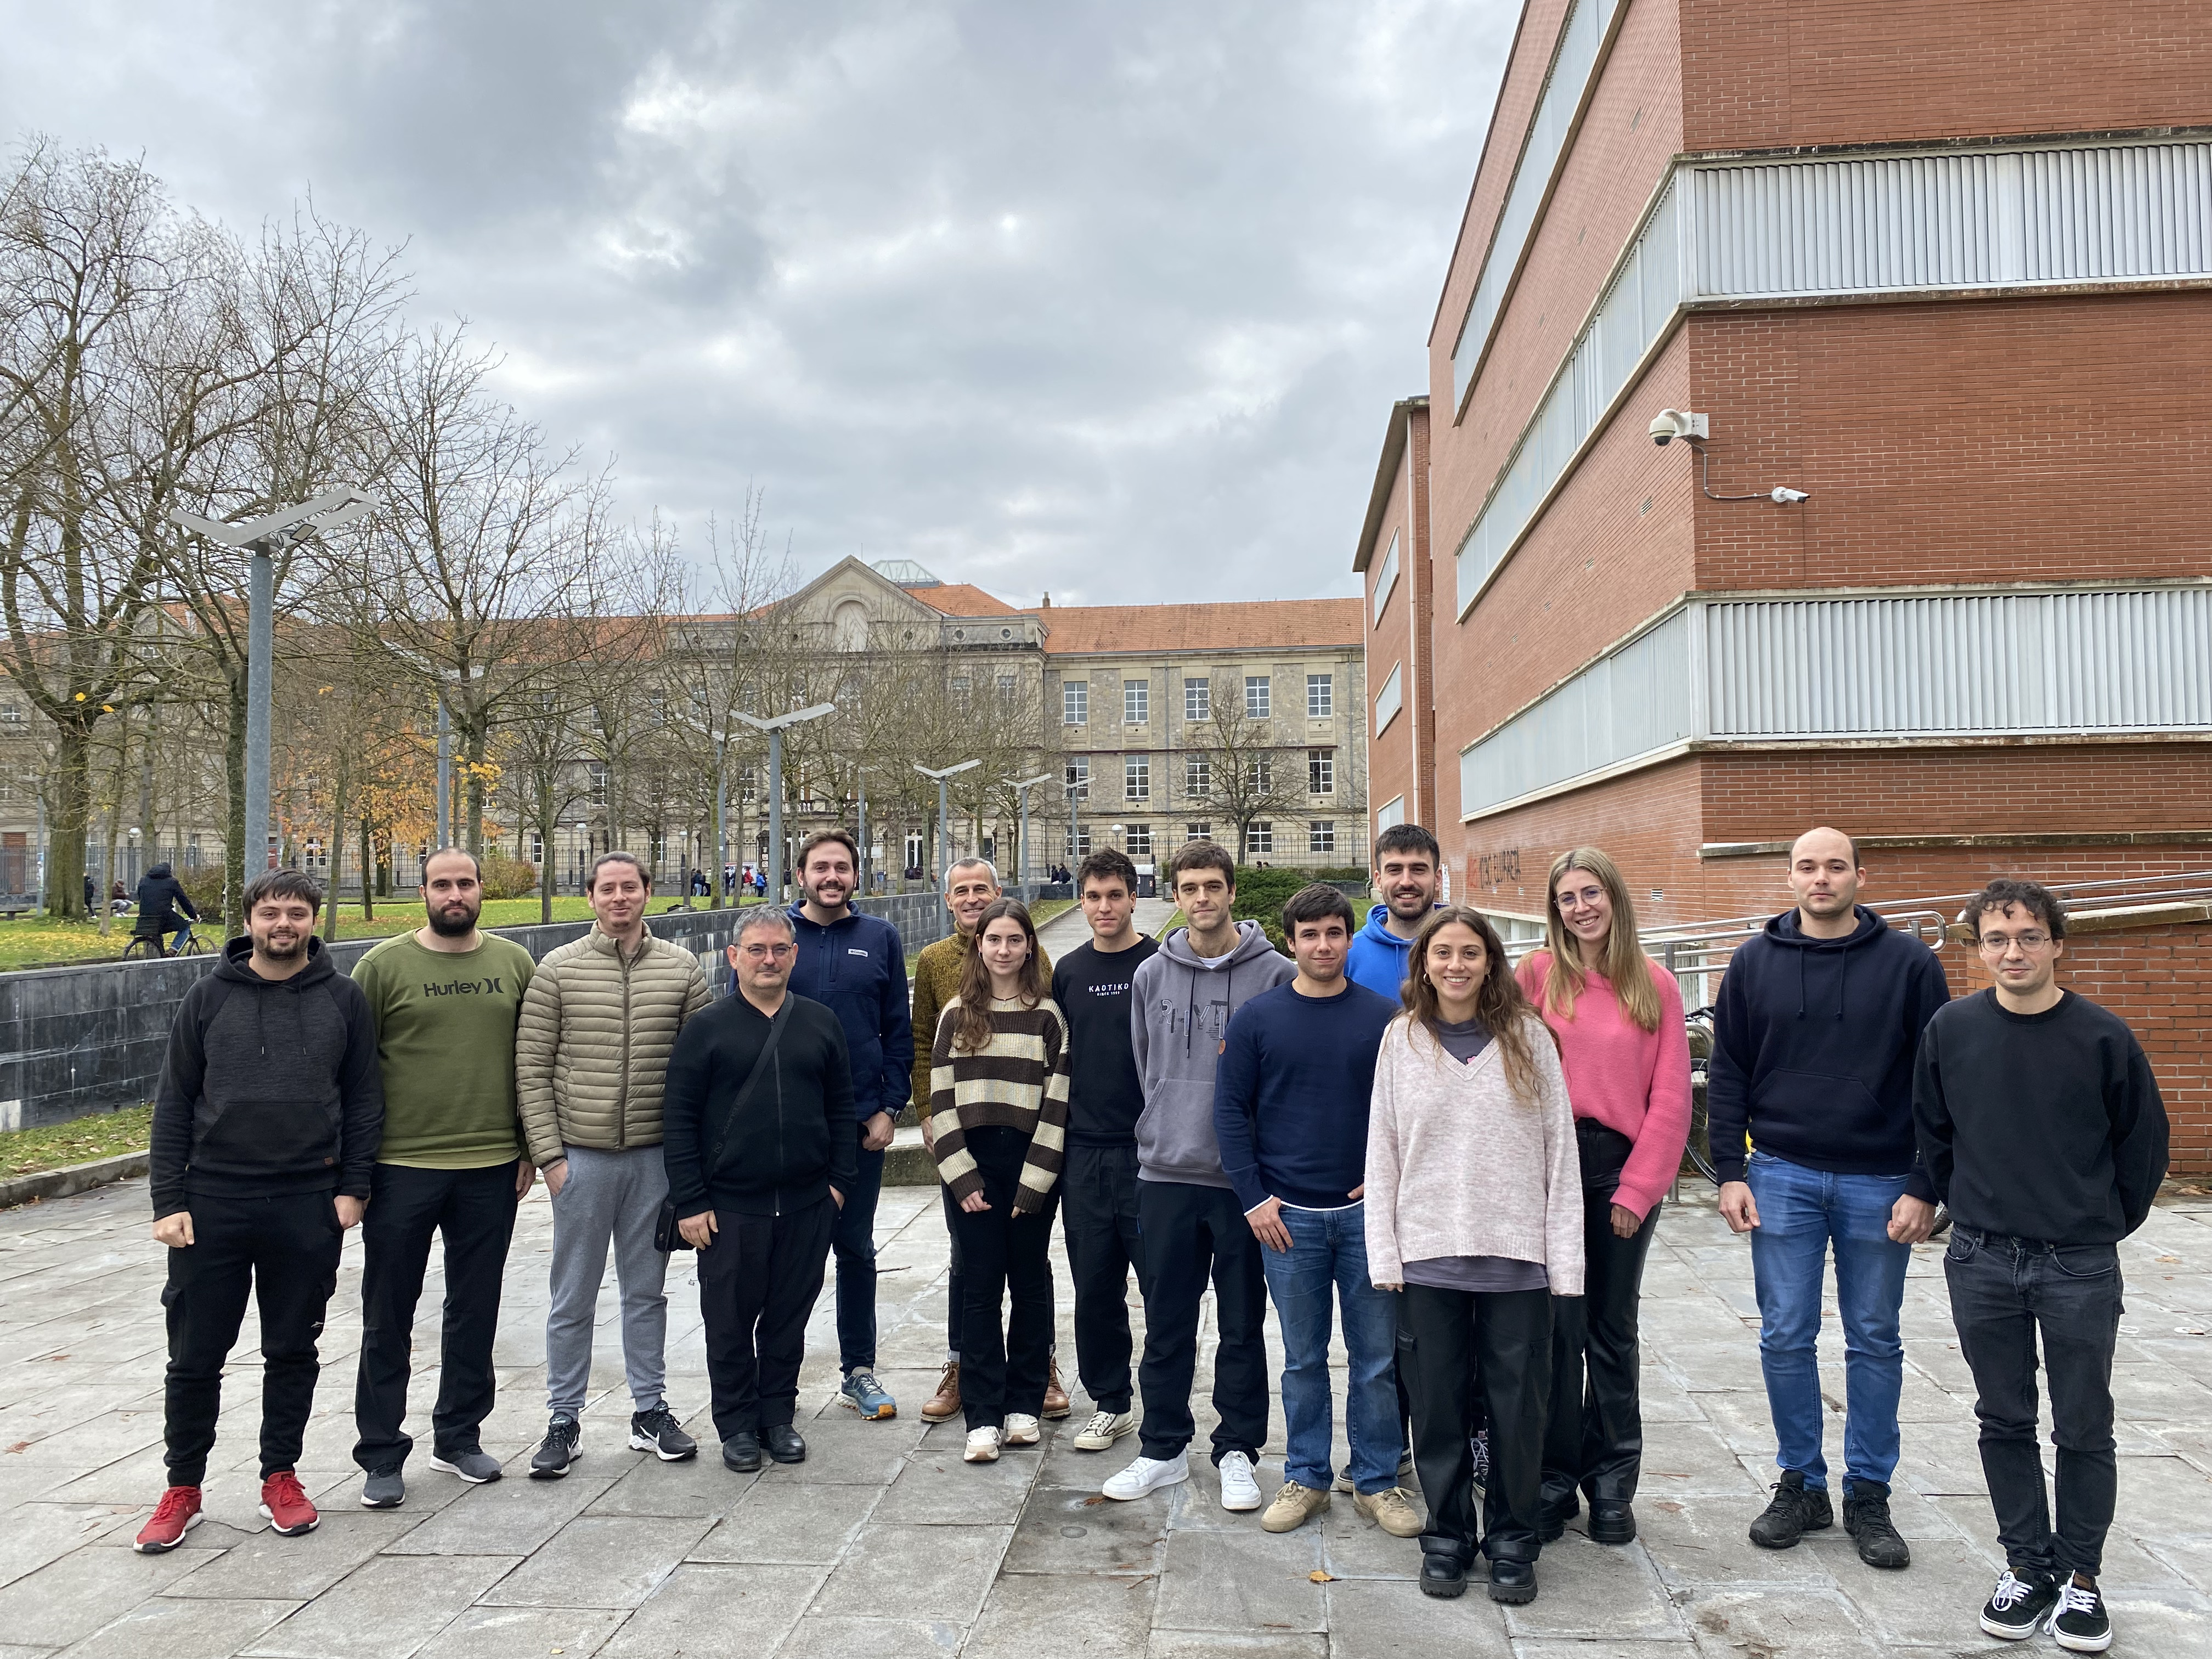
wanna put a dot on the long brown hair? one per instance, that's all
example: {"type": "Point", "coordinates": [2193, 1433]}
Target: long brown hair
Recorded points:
{"type": "Point", "coordinates": [972, 1031]}
{"type": "Point", "coordinates": [1501, 1005]}
{"type": "Point", "coordinates": [1624, 965]}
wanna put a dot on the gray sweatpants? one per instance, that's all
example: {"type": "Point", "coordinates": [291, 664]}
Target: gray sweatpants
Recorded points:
{"type": "Point", "coordinates": [607, 1195]}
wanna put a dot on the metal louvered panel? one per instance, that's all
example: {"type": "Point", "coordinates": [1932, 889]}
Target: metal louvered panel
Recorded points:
{"type": "Point", "coordinates": [1875, 224]}
{"type": "Point", "coordinates": [1972, 664]}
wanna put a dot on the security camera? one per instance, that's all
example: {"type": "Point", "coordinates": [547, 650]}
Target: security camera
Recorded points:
{"type": "Point", "coordinates": [1672, 423]}
{"type": "Point", "coordinates": [1782, 495]}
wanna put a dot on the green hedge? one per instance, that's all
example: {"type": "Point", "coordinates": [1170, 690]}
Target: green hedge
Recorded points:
{"type": "Point", "coordinates": [1261, 895]}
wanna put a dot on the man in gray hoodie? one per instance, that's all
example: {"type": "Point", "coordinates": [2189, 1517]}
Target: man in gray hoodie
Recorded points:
{"type": "Point", "coordinates": [1189, 1216]}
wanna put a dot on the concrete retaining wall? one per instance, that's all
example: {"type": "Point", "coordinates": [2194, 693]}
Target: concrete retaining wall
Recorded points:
{"type": "Point", "coordinates": [76, 1040]}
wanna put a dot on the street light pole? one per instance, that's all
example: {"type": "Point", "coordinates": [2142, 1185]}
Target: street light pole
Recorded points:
{"type": "Point", "coordinates": [860, 787]}
{"type": "Point", "coordinates": [1022, 787]}
{"type": "Point", "coordinates": [776, 727]}
{"type": "Point", "coordinates": [944, 823]}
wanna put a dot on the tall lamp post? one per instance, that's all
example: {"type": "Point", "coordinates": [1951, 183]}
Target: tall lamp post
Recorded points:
{"type": "Point", "coordinates": [721, 741]}
{"type": "Point", "coordinates": [1022, 787]}
{"type": "Point", "coordinates": [264, 538]}
{"type": "Point", "coordinates": [944, 823]}
{"type": "Point", "coordinates": [776, 727]}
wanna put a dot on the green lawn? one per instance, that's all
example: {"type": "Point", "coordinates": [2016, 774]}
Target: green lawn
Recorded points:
{"type": "Point", "coordinates": [26, 1151]}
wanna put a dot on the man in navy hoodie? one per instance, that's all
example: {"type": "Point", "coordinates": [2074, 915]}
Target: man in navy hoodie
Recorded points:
{"type": "Point", "coordinates": [1815, 1034]}
{"type": "Point", "coordinates": [856, 965]}
{"type": "Point", "coordinates": [1409, 871]}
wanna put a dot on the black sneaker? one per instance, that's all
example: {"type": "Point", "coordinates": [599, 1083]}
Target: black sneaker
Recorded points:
{"type": "Point", "coordinates": [658, 1432]}
{"type": "Point", "coordinates": [2017, 1606]}
{"type": "Point", "coordinates": [562, 1445]}
{"type": "Point", "coordinates": [2079, 1620]}
{"type": "Point", "coordinates": [1795, 1511]}
{"type": "Point", "coordinates": [1866, 1517]}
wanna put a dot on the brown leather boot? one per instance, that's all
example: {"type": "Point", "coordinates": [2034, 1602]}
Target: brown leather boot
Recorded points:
{"type": "Point", "coordinates": [1056, 1403]}
{"type": "Point", "coordinates": [943, 1405]}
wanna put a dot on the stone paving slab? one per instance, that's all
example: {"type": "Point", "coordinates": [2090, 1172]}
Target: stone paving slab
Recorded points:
{"type": "Point", "coordinates": [885, 1544]}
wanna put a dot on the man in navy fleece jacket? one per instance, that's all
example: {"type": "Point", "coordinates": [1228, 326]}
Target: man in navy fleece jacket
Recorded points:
{"type": "Point", "coordinates": [1290, 1108]}
{"type": "Point", "coordinates": [1814, 1037]}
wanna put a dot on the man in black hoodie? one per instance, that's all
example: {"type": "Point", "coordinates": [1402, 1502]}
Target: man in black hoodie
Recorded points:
{"type": "Point", "coordinates": [761, 1157]}
{"type": "Point", "coordinates": [1813, 1037]}
{"type": "Point", "coordinates": [265, 1130]}
{"type": "Point", "coordinates": [161, 896]}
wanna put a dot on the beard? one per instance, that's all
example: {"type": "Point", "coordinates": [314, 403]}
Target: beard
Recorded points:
{"type": "Point", "coordinates": [284, 952]}
{"type": "Point", "coordinates": [446, 925]}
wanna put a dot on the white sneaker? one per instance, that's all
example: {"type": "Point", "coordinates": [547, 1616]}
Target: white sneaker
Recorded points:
{"type": "Point", "coordinates": [1147, 1474]}
{"type": "Point", "coordinates": [1239, 1490]}
{"type": "Point", "coordinates": [982, 1446]}
{"type": "Point", "coordinates": [1021, 1429]}
{"type": "Point", "coordinates": [1103, 1429]}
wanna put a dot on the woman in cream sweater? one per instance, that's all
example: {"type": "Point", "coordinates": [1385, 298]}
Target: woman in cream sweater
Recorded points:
{"type": "Point", "coordinates": [1474, 1216]}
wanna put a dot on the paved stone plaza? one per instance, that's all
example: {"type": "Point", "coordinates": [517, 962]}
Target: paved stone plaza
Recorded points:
{"type": "Point", "coordinates": [883, 1544]}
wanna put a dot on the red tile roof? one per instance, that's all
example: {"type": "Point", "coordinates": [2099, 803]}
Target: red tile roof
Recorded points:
{"type": "Point", "coordinates": [962, 599]}
{"type": "Point", "coordinates": [1249, 625]}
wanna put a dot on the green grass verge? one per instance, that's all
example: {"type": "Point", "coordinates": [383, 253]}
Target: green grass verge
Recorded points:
{"type": "Point", "coordinates": [29, 1151]}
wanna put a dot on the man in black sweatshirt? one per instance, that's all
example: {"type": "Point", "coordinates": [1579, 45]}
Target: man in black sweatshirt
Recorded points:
{"type": "Point", "coordinates": [1814, 1035]}
{"type": "Point", "coordinates": [761, 1157]}
{"type": "Point", "coordinates": [2043, 1130]}
{"type": "Point", "coordinates": [1091, 985]}
{"type": "Point", "coordinates": [265, 1130]}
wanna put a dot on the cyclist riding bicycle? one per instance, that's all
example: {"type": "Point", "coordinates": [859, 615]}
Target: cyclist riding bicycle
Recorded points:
{"type": "Point", "coordinates": [160, 895]}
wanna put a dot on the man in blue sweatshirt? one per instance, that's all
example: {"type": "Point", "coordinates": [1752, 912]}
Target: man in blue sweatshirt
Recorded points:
{"type": "Point", "coordinates": [1409, 871]}
{"type": "Point", "coordinates": [856, 965]}
{"type": "Point", "coordinates": [1290, 1108]}
{"type": "Point", "coordinates": [1814, 1033]}
{"type": "Point", "coordinates": [1191, 1225]}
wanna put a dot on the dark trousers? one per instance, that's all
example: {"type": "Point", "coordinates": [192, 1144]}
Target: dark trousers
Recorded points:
{"type": "Point", "coordinates": [1005, 1355]}
{"type": "Point", "coordinates": [854, 1237]}
{"type": "Point", "coordinates": [758, 1281]}
{"type": "Point", "coordinates": [285, 1252]}
{"type": "Point", "coordinates": [1509, 1334]}
{"type": "Point", "coordinates": [1595, 1437]}
{"type": "Point", "coordinates": [2006, 1293]}
{"type": "Point", "coordinates": [953, 1279]}
{"type": "Point", "coordinates": [1192, 1234]}
{"type": "Point", "coordinates": [1099, 1214]}
{"type": "Point", "coordinates": [474, 1210]}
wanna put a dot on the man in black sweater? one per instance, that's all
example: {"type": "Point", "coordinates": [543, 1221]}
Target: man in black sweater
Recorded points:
{"type": "Point", "coordinates": [266, 1129]}
{"type": "Point", "coordinates": [1099, 1210]}
{"type": "Point", "coordinates": [760, 1158]}
{"type": "Point", "coordinates": [2043, 1130]}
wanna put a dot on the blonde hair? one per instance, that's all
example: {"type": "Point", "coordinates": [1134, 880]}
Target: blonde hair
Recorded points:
{"type": "Point", "coordinates": [1623, 964]}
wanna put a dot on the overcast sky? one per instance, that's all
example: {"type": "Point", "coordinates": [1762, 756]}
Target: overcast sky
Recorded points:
{"type": "Point", "coordinates": [1109, 300]}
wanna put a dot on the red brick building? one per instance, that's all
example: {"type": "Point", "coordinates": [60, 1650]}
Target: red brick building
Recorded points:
{"type": "Point", "coordinates": [1946, 268]}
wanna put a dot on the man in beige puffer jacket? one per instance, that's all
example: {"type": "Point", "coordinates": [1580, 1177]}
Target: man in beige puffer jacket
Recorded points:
{"type": "Point", "coordinates": [590, 1057]}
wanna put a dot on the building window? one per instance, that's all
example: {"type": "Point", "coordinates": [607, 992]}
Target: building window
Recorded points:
{"type": "Point", "coordinates": [1197, 776]}
{"type": "Point", "coordinates": [1005, 691]}
{"type": "Point", "coordinates": [960, 689]}
{"type": "Point", "coordinates": [1262, 772]}
{"type": "Point", "coordinates": [1390, 814]}
{"type": "Point", "coordinates": [1390, 699]}
{"type": "Point", "coordinates": [1321, 771]}
{"type": "Point", "coordinates": [1078, 777]}
{"type": "Point", "coordinates": [1079, 848]}
{"type": "Point", "coordinates": [1321, 696]}
{"type": "Point", "coordinates": [1136, 778]}
{"type": "Point", "coordinates": [914, 849]}
{"type": "Point", "coordinates": [1136, 702]}
{"type": "Point", "coordinates": [1140, 840]}
{"type": "Point", "coordinates": [1075, 701]}
{"type": "Point", "coordinates": [599, 771]}
{"type": "Point", "coordinates": [748, 783]}
{"type": "Point", "coordinates": [1321, 836]}
{"type": "Point", "coordinates": [1198, 700]}
{"type": "Point", "coordinates": [537, 847]}
{"type": "Point", "coordinates": [1198, 832]}
{"type": "Point", "coordinates": [1386, 578]}
{"type": "Point", "coordinates": [1259, 695]}
{"type": "Point", "coordinates": [1259, 840]}
{"type": "Point", "coordinates": [192, 853]}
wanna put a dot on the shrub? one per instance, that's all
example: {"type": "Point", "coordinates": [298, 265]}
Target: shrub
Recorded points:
{"type": "Point", "coordinates": [508, 879]}
{"type": "Point", "coordinates": [203, 884]}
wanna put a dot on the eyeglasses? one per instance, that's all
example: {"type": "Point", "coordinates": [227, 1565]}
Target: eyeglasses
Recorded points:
{"type": "Point", "coordinates": [763, 952]}
{"type": "Point", "coordinates": [1580, 897]}
{"type": "Point", "coordinates": [1996, 945]}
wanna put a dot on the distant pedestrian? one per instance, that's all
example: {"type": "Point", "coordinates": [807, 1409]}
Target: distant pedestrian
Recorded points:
{"type": "Point", "coordinates": [266, 1128]}
{"type": "Point", "coordinates": [2044, 1133]}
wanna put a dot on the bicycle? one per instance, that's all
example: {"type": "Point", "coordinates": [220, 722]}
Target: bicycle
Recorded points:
{"type": "Point", "coordinates": [145, 947]}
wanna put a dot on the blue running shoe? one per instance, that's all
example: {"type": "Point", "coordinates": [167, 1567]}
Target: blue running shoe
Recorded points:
{"type": "Point", "coordinates": [866, 1395]}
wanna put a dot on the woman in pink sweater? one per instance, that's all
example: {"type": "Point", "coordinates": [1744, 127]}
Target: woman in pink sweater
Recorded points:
{"type": "Point", "coordinates": [1618, 1016]}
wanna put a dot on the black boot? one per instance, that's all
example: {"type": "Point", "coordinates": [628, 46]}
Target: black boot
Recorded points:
{"type": "Point", "coordinates": [1866, 1517]}
{"type": "Point", "coordinates": [1611, 1522]}
{"type": "Point", "coordinates": [783, 1443]}
{"type": "Point", "coordinates": [1795, 1511]}
{"type": "Point", "coordinates": [1513, 1582]}
{"type": "Point", "coordinates": [741, 1453]}
{"type": "Point", "coordinates": [1443, 1566]}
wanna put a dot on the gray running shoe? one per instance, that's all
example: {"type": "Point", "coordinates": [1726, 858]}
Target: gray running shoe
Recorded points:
{"type": "Point", "coordinates": [474, 1466]}
{"type": "Point", "coordinates": [561, 1447]}
{"type": "Point", "coordinates": [385, 1489]}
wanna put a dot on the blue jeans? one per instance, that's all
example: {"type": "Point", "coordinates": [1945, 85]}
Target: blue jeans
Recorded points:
{"type": "Point", "coordinates": [854, 1240]}
{"type": "Point", "coordinates": [1329, 1247]}
{"type": "Point", "coordinates": [1801, 1213]}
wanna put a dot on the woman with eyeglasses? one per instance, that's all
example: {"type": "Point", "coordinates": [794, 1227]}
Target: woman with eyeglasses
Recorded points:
{"type": "Point", "coordinates": [1617, 1016]}
{"type": "Point", "coordinates": [1474, 1216]}
{"type": "Point", "coordinates": [998, 1122]}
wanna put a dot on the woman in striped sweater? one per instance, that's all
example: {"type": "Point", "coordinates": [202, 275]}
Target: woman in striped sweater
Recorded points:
{"type": "Point", "coordinates": [997, 1127]}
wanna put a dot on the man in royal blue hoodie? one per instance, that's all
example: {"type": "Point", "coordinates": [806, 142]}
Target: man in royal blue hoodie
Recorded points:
{"type": "Point", "coordinates": [1814, 1034]}
{"type": "Point", "coordinates": [1409, 871]}
{"type": "Point", "coordinates": [856, 965]}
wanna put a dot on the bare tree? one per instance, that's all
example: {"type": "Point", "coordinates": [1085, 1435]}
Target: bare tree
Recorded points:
{"type": "Point", "coordinates": [1246, 773]}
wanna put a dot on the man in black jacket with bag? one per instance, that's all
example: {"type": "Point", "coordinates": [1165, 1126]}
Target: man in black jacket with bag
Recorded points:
{"type": "Point", "coordinates": [757, 1132]}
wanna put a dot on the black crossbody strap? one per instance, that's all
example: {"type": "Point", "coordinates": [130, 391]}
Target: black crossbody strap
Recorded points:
{"type": "Point", "coordinates": [777, 1021]}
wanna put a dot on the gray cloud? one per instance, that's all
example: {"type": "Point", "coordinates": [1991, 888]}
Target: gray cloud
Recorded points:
{"type": "Point", "coordinates": [1109, 300]}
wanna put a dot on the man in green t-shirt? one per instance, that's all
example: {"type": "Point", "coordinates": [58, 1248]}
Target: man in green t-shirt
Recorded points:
{"type": "Point", "coordinates": [444, 999]}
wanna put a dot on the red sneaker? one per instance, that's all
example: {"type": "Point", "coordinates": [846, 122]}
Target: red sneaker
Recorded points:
{"type": "Point", "coordinates": [177, 1514]}
{"type": "Point", "coordinates": [286, 1505]}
